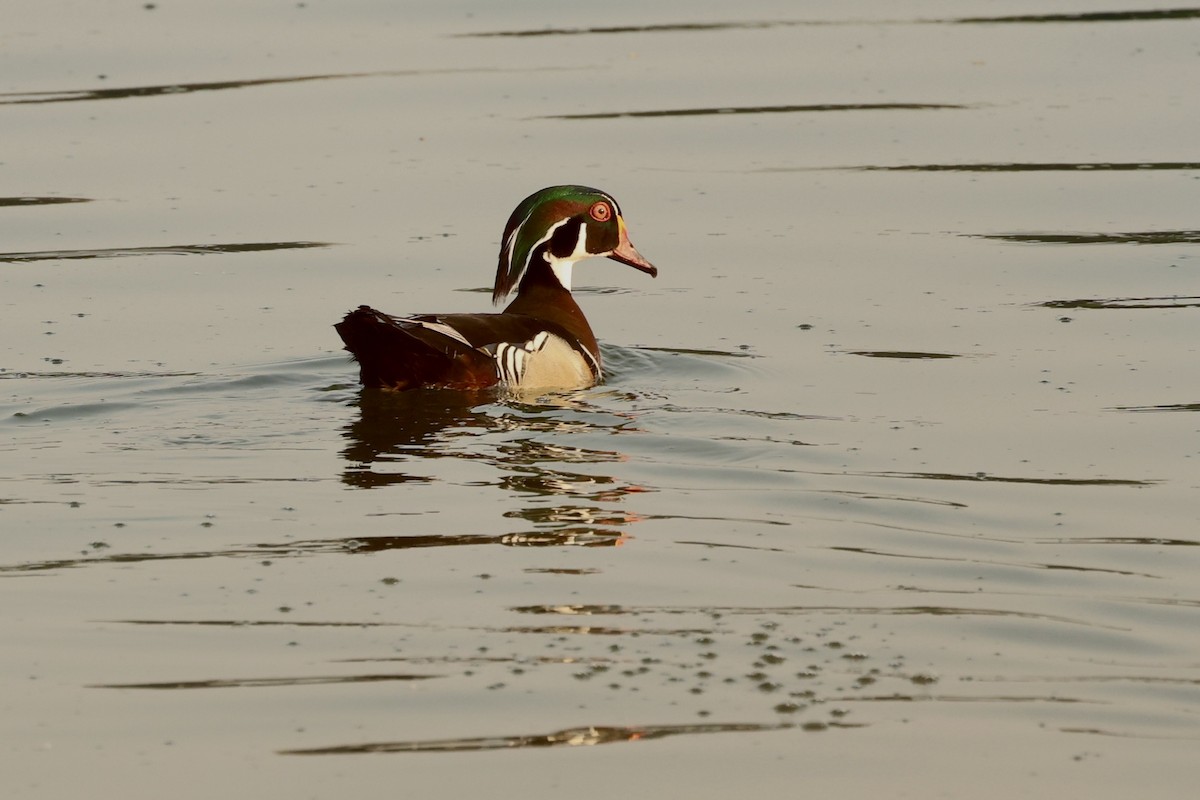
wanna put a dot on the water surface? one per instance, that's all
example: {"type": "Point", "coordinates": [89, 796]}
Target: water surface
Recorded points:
{"type": "Point", "coordinates": [891, 489]}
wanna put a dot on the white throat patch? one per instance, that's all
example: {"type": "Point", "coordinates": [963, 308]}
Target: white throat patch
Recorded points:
{"type": "Point", "coordinates": [562, 271]}
{"type": "Point", "coordinates": [561, 267]}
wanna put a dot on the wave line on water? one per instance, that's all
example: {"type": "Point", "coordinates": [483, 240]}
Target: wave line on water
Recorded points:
{"type": "Point", "coordinates": [665, 27]}
{"type": "Point", "coordinates": [41, 201]}
{"type": "Point", "coordinates": [985, 477]}
{"type": "Point", "coordinates": [1125, 303]}
{"type": "Point", "coordinates": [571, 536]}
{"type": "Point", "coordinates": [779, 109]}
{"type": "Point", "coordinates": [242, 683]}
{"type": "Point", "coordinates": [1133, 237]}
{"type": "Point", "coordinates": [555, 630]}
{"type": "Point", "coordinates": [1150, 15]}
{"type": "Point", "coordinates": [1029, 166]}
{"type": "Point", "coordinates": [60, 374]}
{"type": "Point", "coordinates": [571, 737]}
{"type": "Point", "coordinates": [1161, 407]}
{"type": "Point", "coordinates": [171, 250]}
{"type": "Point", "coordinates": [911, 610]}
{"type": "Point", "coordinates": [903, 354]}
{"type": "Point", "coordinates": [1067, 567]}
{"type": "Point", "coordinates": [171, 89]}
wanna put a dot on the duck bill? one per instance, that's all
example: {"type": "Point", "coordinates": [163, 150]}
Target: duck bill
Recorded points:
{"type": "Point", "coordinates": [626, 253]}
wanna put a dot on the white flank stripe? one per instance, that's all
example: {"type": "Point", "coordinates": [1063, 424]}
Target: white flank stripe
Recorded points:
{"type": "Point", "coordinates": [591, 359]}
{"type": "Point", "coordinates": [545, 361]}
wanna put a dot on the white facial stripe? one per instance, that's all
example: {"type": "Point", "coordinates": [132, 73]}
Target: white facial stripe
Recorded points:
{"type": "Point", "coordinates": [512, 238]}
{"type": "Point", "coordinates": [581, 244]}
{"type": "Point", "coordinates": [549, 232]}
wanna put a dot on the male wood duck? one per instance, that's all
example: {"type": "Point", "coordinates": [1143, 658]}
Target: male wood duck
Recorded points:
{"type": "Point", "coordinates": [540, 341]}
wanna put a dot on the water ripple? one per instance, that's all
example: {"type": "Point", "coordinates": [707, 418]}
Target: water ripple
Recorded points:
{"type": "Point", "coordinates": [1148, 15]}
{"type": "Point", "coordinates": [571, 737]}
{"type": "Point", "coordinates": [41, 201]}
{"type": "Point", "coordinates": [988, 478]}
{"type": "Point", "coordinates": [703, 27]}
{"type": "Point", "coordinates": [1026, 166]}
{"type": "Point", "coordinates": [1135, 237]}
{"type": "Point", "coordinates": [170, 89]}
{"type": "Point", "coordinates": [1160, 407]}
{"type": "Point", "coordinates": [258, 683]}
{"type": "Point", "coordinates": [780, 109]}
{"type": "Point", "coordinates": [1172, 301]}
{"type": "Point", "coordinates": [172, 250]}
{"type": "Point", "coordinates": [574, 536]}
{"type": "Point", "coordinates": [902, 354]}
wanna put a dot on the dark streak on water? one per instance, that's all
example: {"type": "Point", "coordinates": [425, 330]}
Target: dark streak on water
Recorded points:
{"type": "Point", "coordinates": [121, 93]}
{"type": "Point", "coordinates": [896, 498]}
{"type": "Point", "coordinates": [700, 27]}
{"type": "Point", "coordinates": [781, 109]}
{"type": "Point", "coordinates": [41, 201]}
{"type": "Point", "coordinates": [257, 623]}
{"type": "Point", "coordinates": [1125, 302]}
{"type": "Point", "coordinates": [479, 659]}
{"type": "Point", "coordinates": [785, 415]}
{"type": "Point", "coordinates": [4, 373]}
{"type": "Point", "coordinates": [1090, 16]}
{"type": "Point", "coordinates": [953, 698]}
{"type": "Point", "coordinates": [731, 546]}
{"type": "Point", "coordinates": [1031, 166]}
{"type": "Point", "coordinates": [238, 683]}
{"type": "Point", "coordinates": [901, 354]}
{"type": "Point", "coordinates": [576, 536]}
{"type": "Point", "coordinates": [1068, 567]}
{"type": "Point", "coordinates": [937, 611]}
{"type": "Point", "coordinates": [689, 351]}
{"type": "Point", "coordinates": [1137, 237]}
{"type": "Point", "coordinates": [1163, 407]}
{"type": "Point", "coordinates": [1153, 541]}
{"type": "Point", "coordinates": [668, 27]}
{"type": "Point", "coordinates": [556, 630]}
{"type": "Point", "coordinates": [173, 250]}
{"type": "Point", "coordinates": [571, 737]}
{"type": "Point", "coordinates": [985, 477]}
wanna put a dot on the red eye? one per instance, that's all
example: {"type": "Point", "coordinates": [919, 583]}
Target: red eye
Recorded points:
{"type": "Point", "coordinates": [601, 211]}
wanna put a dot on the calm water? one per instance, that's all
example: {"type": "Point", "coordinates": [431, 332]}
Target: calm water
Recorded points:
{"type": "Point", "coordinates": [892, 489]}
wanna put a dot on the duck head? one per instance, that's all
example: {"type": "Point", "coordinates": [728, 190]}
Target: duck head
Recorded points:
{"type": "Point", "coordinates": [562, 225]}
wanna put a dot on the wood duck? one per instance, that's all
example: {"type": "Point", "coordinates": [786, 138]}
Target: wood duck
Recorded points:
{"type": "Point", "coordinates": [540, 341]}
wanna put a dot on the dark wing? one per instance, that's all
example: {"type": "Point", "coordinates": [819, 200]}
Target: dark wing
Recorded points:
{"type": "Point", "coordinates": [447, 350]}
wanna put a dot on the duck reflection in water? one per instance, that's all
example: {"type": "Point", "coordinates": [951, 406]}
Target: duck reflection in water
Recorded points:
{"type": "Point", "coordinates": [396, 432]}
